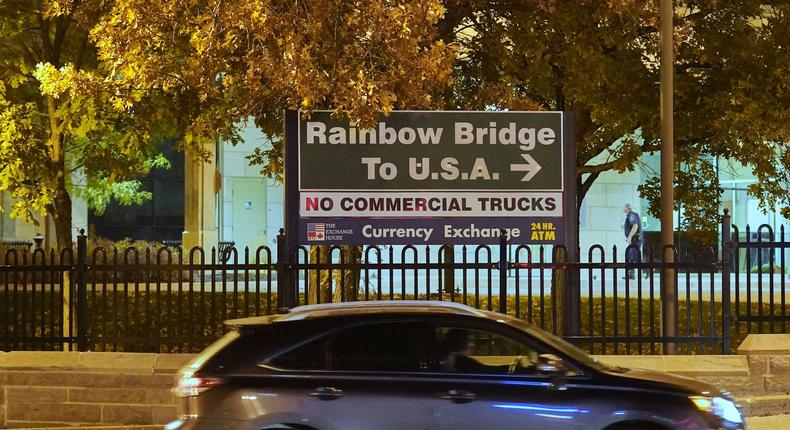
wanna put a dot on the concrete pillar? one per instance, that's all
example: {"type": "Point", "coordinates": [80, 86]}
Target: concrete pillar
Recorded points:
{"type": "Point", "coordinates": [6, 223]}
{"type": "Point", "coordinates": [79, 207]}
{"type": "Point", "coordinates": [17, 229]}
{"type": "Point", "coordinates": [200, 200]}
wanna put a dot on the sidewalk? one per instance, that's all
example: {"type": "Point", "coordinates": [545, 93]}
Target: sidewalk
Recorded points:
{"type": "Point", "coordinates": [778, 422]}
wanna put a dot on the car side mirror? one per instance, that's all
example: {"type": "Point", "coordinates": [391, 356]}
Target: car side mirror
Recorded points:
{"type": "Point", "coordinates": [550, 364]}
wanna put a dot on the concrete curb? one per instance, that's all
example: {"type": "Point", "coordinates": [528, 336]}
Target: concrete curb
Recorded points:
{"type": "Point", "coordinates": [93, 361]}
{"type": "Point", "coordinates": [157, 427]}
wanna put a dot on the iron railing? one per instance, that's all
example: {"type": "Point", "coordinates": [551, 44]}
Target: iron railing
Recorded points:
{"type": "Point", "coordinates": [175, 300]}
{"type": "Point", "coordinates": [760, 279]}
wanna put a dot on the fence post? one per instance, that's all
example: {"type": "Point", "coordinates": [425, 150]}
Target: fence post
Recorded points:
{"type": "Point", "coordinates": [726, 260]}
{"type": "Point", "coordinates": [38, 239]}
{"type": "Point", "coordinates": [502, 271]}
{"type": "Point", "coordinates": [282, 273]}
{"type": "Point", "coordinates": [82, 295]}
{"type": "Point", "coordinates": [572, 294]}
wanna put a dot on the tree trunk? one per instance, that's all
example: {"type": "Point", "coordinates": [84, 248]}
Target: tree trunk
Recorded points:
{"type": "Point", "coordinates": [582, 188]}
{"type": "Point", "coordinates": [347, 280]}
{"type": "Point", "coordinates": [559, 285]}
{"type": "Point", "coordinates": [61, 205]}
{"type": "Point", "coordinates": [582, 123]}
{"type": "Point", "coordinates": [560, 278]}
{"type": "Point", "coordinates": [61, 215]}
{"type": "Point", "coordinates": [319, 254]}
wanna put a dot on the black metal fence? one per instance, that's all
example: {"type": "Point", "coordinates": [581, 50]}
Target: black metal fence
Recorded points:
{"type": "Point", "coordinates": [172, 300]}
{"type": "Point", "coordinates": [760, 282]}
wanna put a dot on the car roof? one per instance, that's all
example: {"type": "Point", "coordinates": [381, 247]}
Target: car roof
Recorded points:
{"type": "Point", "coordinates": [325, 310]}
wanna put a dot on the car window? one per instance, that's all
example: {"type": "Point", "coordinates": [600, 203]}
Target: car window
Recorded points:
{"type": "Point", "coordinates": [475, 351]}
{"type": "Point", "coordinates": [381, 347]}
{"type": "Point", "coordinates": [306, 357]}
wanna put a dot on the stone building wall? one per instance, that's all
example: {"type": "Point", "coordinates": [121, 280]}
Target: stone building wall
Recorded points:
{"type": "Point", "coordinates": [51, 389]}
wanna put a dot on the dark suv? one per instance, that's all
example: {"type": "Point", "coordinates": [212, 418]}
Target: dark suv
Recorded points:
{"type": "Point", "coordinates": [426, 365]}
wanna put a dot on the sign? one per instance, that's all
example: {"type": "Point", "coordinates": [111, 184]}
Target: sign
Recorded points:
{"type": "Point", "coordinates": [427, 177]}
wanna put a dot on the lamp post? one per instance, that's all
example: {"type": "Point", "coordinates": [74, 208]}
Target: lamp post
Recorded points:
{"type": "Point", "coordinates": [668, 295]}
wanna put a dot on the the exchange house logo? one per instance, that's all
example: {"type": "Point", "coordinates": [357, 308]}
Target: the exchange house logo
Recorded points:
{"type": "Point", "coordinates": [316, 232]}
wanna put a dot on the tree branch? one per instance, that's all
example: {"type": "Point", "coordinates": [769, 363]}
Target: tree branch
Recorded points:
{"type": "Point", "coordinates": [83, 48]}
{"type": "Point", "coordinates": [646, 146]}
{"type": "Point", "coordinates": [46, 43]}
{"type": "Point", "coordinates": [694, 16]}
{"type": "Point", "coordinates": [61, 28]}
{"type": "Point", "coordinates": [586, 185]}
{"type": "Point", "coordinates": [596, 168]}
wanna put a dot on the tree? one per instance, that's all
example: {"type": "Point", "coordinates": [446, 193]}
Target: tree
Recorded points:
{"type": "Point", "coordinates": [252, 59]}
{"type": "Point", "coordinates": [599, 59]}
{"type": "Point", "coordinates": [60, 113]}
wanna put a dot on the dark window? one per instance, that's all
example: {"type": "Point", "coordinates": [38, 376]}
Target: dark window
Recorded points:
{"type": "Point", "coordinates": [467, 350]}
{"type": "Point", "coordinates": [385, 347]}
{"type": "Point", "coordinates": [306, 357]}
{"type": "Point", "coordinates": [161, 218]}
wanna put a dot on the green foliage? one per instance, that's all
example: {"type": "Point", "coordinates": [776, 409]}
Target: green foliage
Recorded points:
{"type": "Point", "coordinates": [599, 59]}
{"type": "Point", "coordinates": [766, 269]}
{"type": "Point", "coordinates": [95, 85]}
{"type": "Point", "coordinates": [224, 63]}
{"type": "Point", "coordinates": [95, 241]}
{"type": "Point", "coordinates": [62, 111]}
{"type": "Point", "coordinates": [22, 159]}
{"type": "Point", "coordinates": [698, 193]}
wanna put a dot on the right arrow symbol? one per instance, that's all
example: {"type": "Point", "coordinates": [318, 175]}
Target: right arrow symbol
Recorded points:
{"type": "Point", "coordinates": [531, 167]}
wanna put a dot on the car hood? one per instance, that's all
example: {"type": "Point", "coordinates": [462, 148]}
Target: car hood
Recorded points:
{"type": "Point", "coordinates": [661, 380]}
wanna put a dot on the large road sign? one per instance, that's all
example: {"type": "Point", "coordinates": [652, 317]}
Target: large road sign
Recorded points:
{"type": "Point", "coordinates": [428, 177]}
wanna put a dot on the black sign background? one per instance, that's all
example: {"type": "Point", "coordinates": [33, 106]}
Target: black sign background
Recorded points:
{"type": "Point", "coordinates": [338, 166]}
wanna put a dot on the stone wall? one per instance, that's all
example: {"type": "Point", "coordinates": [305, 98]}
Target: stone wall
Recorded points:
{"type": "Point", "coordinates": [758, 376]}
{"type": "Point", "coordinates": [50, 389]}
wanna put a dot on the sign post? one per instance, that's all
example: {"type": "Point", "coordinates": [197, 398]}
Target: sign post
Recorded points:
{"type": "Point", "coordinates": [572, 292]}
{"type": "Point", "coordinates": [288, 289]}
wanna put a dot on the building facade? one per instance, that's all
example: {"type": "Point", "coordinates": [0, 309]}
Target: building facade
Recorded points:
{"type": "Point", "coordinates": [228, 200]}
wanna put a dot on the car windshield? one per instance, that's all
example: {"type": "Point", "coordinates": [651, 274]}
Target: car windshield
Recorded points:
{"type": "Point", "coordinates": [568, 349]}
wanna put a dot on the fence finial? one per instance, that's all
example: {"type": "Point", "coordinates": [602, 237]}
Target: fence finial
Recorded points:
{"type": "Point", "coordinates": [39, 240]}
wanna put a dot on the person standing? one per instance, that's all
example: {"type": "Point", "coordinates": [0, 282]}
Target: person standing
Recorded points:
{"type": "Point", "coordinates": [633, 236]}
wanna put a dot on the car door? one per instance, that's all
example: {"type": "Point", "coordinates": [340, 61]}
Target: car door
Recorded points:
{"type": "Point", "coordinates": [489, 379]}
{"type": "Point", "coordinates": [364, 376]}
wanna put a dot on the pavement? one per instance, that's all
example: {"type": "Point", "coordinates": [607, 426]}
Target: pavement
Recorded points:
{"type": "Point", "coordinates": [139, 427]}
{"type": "Point", "coordinates": [776, 422]}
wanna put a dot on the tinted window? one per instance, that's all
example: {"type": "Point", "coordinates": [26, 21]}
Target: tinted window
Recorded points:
{"type": "Point", "coordinates": [385, 347]}
{"type": "Point", "coordinates": [305, 357]}
{"type": "Point", "coordinates": [467, 350]}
